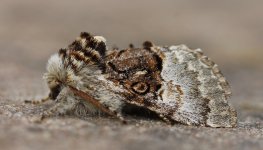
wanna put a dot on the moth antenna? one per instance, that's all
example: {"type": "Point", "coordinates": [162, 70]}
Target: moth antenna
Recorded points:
{"type": "Point", "coordinates": [37, 102]}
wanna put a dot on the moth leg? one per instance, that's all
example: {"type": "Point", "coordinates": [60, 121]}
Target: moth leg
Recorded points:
{"type": "Point", "coordinates": [165, 119]}
{"type": "Point", "coordinates": [59, 109]}
{"type": "Point", "coordinates": [120, 116]}
{"type": "Point", "coordinates": [53, 111]}
{"type": "Point", "coordinates": [117, 114]}
{"type": "Point", "coordinates": [37, 102]}
{"type": "Point", "coordinates": [65, 103]}
{"type": "Point", "coordinates": [46, 114]}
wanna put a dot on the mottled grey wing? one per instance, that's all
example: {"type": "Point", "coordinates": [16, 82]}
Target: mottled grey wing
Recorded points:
{"type": "Point", "coordinates": [195, 88]}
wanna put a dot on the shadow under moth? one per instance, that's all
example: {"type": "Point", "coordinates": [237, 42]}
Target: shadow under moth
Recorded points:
{"type": "Point", "coordinates": [177, 83]}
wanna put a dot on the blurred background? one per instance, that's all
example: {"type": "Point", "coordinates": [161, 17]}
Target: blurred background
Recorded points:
{"type": "Point", "coordinates": [228, 31]}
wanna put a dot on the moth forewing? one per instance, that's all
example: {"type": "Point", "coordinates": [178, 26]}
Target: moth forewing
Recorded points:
{"type": "Point", "coordinates": [176, 82]}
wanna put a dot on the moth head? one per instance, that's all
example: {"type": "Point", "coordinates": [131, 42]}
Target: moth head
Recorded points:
{"type": "Point", "coordinates": [62, 67]}
{"type": "Point", "coordinates": [55, 75]}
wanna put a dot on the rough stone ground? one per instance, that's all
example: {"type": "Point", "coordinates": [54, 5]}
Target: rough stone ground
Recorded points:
{"type": "Point", "coordinates": [230, 32]}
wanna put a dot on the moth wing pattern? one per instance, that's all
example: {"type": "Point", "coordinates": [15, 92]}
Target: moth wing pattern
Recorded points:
{"type": "Point", "coordinates": [176, 82]}
{"type": "Point", "coordinates": [203, 89]}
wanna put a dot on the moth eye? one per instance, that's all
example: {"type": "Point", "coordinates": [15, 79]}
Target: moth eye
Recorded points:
{"type": "Point", "coordinates": [140, 87]}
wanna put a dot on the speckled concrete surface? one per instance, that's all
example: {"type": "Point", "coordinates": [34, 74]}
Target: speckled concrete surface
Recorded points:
{"type": "Point", "coordinates": [230, 32]}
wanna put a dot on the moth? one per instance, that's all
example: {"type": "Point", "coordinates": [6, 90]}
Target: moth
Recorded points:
{"type": "Point", "coordinates": [177, 83]}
